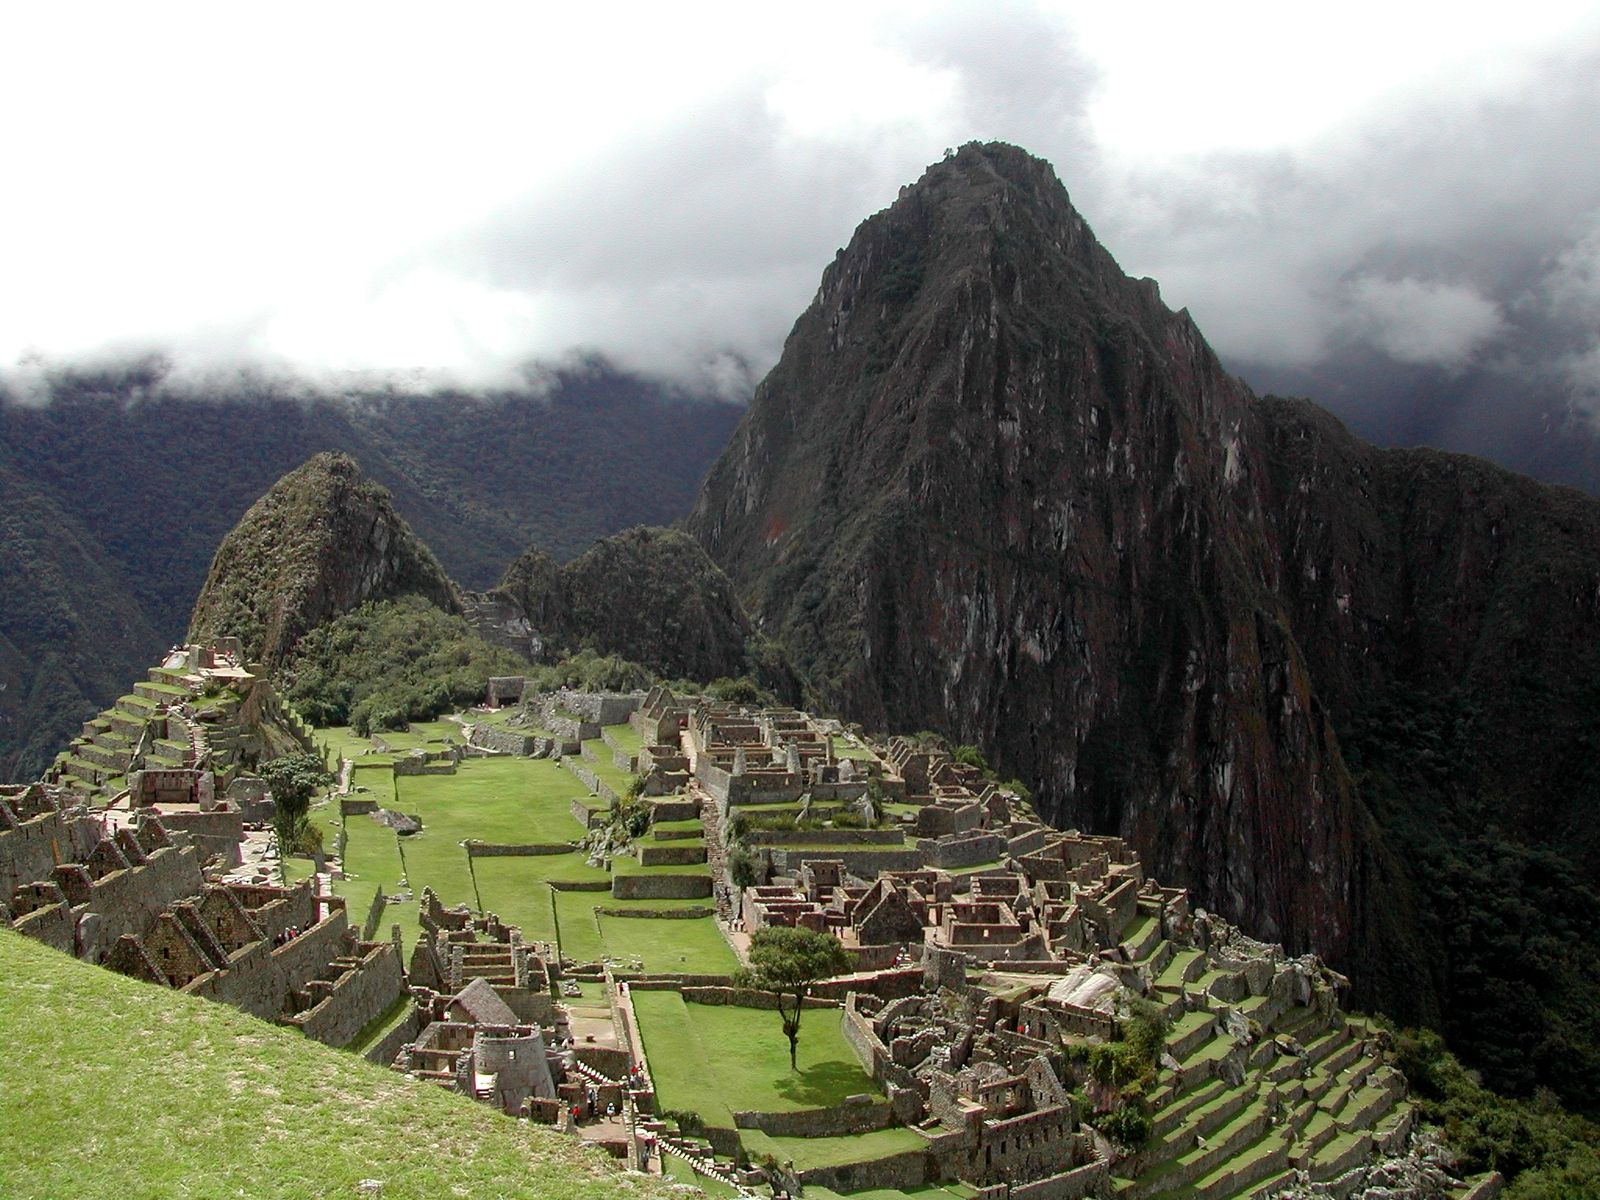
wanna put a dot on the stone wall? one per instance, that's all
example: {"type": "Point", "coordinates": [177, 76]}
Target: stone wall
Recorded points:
{"type": "Point", "coordinates": [827, 837]}
{"type": "Point", "coordinates": [586, 816]}
{"type": "Point", "coordinates": [358, 996]}
{"type": "Point", "coordinates": [130, 900]}
{"type": "Point", "coordinates": [30, 850]}
{"type": "Point", "coordinates": [1089, 1179]}
{"type": "Point", "coordinates": [868, 1047]}
{"type": "Point", "coordinates": [214, 833]}
{"type": "Point", "coordinates": [853, 1115]}
{"type": "Point", "coordinates": [601, 708]}
{"type": "Point", "coordinates": [911, 1169]}
{"type": "Point", "coordinates": [369, 925]}
{"type": "Point", "coordinates": [736, 997]}
{"type": "Point", "coordinates": [962, 851]}
{"type": "Point", "coordinates": [660, 887]}
{"type": "Point", "coordinates": [694, 912]}
{"type": "Point", "coordinates": [590, 780]}
{"type": "Point", "coordinates": [669, 855]}
{"type": "Point", "coordinates": [477, 849]}
{"type": "Point", "coordinates": [863, 863]}
{"type": "Point", "coordinates": [385, 1051]}
{"type": "Point", "coordinates": [674, 808]}
{"type": "Point", "coordinates": [259, 977]}
{"type": "Point", "coordinates": [54, 925]}
{"type": "Point", "coordinates": [886, 985]}
{"type": "Point", "coordinates": [509, 741]}
{"type": "Point", "coordinates": [417, 763]}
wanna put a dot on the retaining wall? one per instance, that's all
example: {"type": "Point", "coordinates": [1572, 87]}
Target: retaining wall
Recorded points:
{"type": "Point", "coordinates": [477, 849]}
{"type": "Point", "coordinates": [662, 856]}
{"type": "Point", "coordinates": [660, 887]}
{"type": "Point", "coordinates": [853, 1115]}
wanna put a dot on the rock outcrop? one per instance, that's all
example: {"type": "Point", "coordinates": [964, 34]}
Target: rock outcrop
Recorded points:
{"type": "Point", "coordinates": [652, 596]}
{"type": "Point", "coordinates": [322, 541]}
{"type": "Point", "coordinates": [996, 488]}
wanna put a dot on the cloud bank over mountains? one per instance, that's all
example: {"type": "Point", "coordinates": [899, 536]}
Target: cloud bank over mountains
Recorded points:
{"type": "Point", "coordinates": [390, 190]}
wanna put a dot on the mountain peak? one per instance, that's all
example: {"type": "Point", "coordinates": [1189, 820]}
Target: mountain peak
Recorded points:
{"type": "Point", "coordinates": [323, 540]}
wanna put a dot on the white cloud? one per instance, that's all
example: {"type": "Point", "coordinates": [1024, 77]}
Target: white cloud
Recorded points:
{"type": "Point", "coordinates": [1425, 322]}
{"type": "Point", "coordinates": [397, 187]}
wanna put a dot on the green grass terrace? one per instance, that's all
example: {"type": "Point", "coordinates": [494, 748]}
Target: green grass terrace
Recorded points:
{"type": "Point", "coordinates": [230, 1106]}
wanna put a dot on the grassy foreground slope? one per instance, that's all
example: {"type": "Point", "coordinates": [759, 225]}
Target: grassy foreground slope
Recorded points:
{"type": "Point", "coordinates": [110, 1087]}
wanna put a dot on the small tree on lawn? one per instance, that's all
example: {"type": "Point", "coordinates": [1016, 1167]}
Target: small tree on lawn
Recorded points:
{"type": "Point", "coordinates": [786, 962]}
{"type": "Point", "coordinates": [293, 780]}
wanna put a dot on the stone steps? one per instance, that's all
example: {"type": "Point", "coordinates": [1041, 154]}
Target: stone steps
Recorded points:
{"type": "Point", "coordinates": [1266, 1156]}
{"type": "Point", "coordinates": [1176, 1176]}
{"type": "Point", "coordinates": [1185, 967]}
{"type": "Point", "coordinates": [159, 694]}
{"type": "Point", "coordinates": [1210, 1117]}
{"type": "Point", "coordinates": [135, 706]}
{"type": "Point", "coordinates": [1182, 1045]}
{"type": "Point", "coordinates": [1174, 1114]}
{"type": "Point", "coordinates": [1368, 1106]}
{"type": "Point", "coordinates": [1138, 951]}
{"type": "Point", "coordinates": [105, 758]}
{"type": "Point", "coordinates": [1338, 1156]}
{"type": "Point", "coordinates": [1270, 1186]}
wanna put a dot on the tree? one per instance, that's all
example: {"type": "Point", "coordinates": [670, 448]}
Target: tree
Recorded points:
{"type": "Point", "coordinates": [786, 962]}
{"type": "Point", "coordinates": [294, 779]}
{"type": "Point", "coordinates": [742, 867]}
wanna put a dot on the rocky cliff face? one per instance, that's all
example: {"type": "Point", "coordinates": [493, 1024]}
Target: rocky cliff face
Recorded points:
{"type": "Point", "coordinates": [652, 596]}
{"type": "Point", "coordinates": [996, 488]}
{"type": "Point", "coordinates": [323, 540]}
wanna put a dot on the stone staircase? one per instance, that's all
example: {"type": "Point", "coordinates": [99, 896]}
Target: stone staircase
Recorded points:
{"type": "Point", "coordinates": [701, 1161]}
{"type": "Point", "coordinates": [1316, 1098]}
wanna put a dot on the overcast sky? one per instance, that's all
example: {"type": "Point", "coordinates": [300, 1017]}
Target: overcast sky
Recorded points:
{"type": "Point", "coordinates": [457, 189]}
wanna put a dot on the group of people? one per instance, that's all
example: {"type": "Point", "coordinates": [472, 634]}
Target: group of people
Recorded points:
{"type": "Point", "coordinates": [285, 935]}
{"type": "Point", "coordinates": [590, 1108]}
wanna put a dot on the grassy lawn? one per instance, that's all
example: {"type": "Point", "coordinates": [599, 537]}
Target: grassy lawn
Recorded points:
{"type": "Point", "coordinates": [692, 825]}
{"type": "Point", "coordinates": [425, 735]}
{"type": "Point", "coordinates": [929, 1191]}
{"type": "Point", "coordinates": [518, 889]}
{"type": "Point", "coordinates": [976, 867]}
{"type": "Point", "coordinates": [679, 1171]}
{"type": "Point", "coordinates": [806, 1153]}
{"type": "Point", "coordinates": [626, 738]}
{"type": "Point", "coordinates": [506, 800]}
{"type": "Point", "coordinates": [717, 1060]}
{"type": "Point", "coordinates": [685, 945]}
{"type": "Point", "coordinates": [606, 769]}
{"type": "Point", "coordinates": [689, 946]}
{"type": "Point", "coordinates": [497, 800]}
{"type": "Point", "coordinates": [844, 749]}
{"type": "Point", "coordinates": [231, 1106]}
{"type": "Point", "coordinates": [626, 864]}
{"type": "Point", "coordinates": [580, 932]}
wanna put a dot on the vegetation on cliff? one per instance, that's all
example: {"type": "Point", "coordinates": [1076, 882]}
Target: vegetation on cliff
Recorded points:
{"type": "Point", "coordinates": [1548, 1154]}
{"type": "Point", "coordinates": [650, 596]}
{"type": "Point", "coordinates": [67, 626]}
{"type": "Point", "coordinates": [391, 662]}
